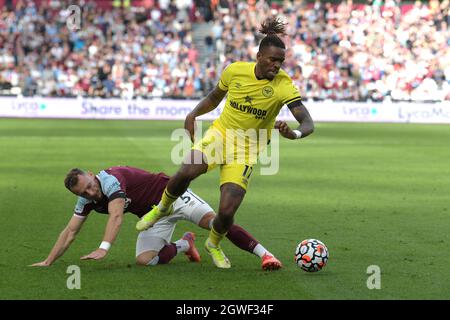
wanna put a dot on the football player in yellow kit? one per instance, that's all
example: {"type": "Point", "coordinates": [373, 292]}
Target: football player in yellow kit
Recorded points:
{"type": "Point", "coordinates": [256, 94]}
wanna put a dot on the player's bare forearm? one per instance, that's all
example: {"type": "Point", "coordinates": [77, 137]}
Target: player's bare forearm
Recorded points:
{"type": "Point", "coordinates": [116, 208]}
{"type": "Point", "coordinates": [209, 103]}
{"type": "Point", "coordinates": [65, 239]}
{"type": "Point", "coordinates": [115, 218]}
{"type": "Point", "coordinates": [303, 117]}
{"type": "Point", "coordinates": [301, 114]}
{"type": "Point", "coordinates": [113, 227]}
{"type": "Point", "coordinates": [60, 246]}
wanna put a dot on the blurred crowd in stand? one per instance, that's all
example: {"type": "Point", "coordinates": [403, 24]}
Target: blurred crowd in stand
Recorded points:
{"type": "Point", "coordinates": [381, 51]}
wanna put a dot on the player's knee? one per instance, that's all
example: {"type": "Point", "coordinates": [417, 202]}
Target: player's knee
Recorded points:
{"type": "Point", "coordinates": [207, 220]}
{"type": "Point", "coordinates": [228, 209]}
{"type": "Point", "coordinates": [226, 218]}
{"type": "Point", "coordinates": [146, 258]}
{"type": "Point", "coordinates": [141, 261]}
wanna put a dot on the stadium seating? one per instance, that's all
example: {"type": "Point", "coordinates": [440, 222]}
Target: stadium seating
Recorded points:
{"type": "Point", "coordinates": [152, 48]}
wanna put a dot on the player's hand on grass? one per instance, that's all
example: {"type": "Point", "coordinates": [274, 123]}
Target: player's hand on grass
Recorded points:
{"type": "Point", "coordinates": [189, 125]}
{"type": "Point", "coordinates": [40, 264]}
{"type": "Point", "coordinates": [95, 255]}
{"type": "Point", "coordinates": [284, 129]}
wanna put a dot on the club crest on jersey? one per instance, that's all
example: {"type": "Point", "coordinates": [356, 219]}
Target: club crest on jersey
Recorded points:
{"type": "Point", "coordinates": [267, 91]}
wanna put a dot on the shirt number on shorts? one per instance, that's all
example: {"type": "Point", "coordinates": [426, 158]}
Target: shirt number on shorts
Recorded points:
{"type": "Point", "coordinates": [186, 199]}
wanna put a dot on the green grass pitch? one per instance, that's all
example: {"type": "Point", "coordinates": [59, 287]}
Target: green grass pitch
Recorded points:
{"type": "Point", "coordinates": [375, 194]}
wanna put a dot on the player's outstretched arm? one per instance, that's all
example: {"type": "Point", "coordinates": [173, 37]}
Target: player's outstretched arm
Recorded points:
{"type": "Point", "coordinates": [116, 208]}
{"type": "Point", "coordinates": [303, 117]}
{"type": "Point", "coordinates": [65, 239]}
{"type": "Point", "coordinates": [207, 104]}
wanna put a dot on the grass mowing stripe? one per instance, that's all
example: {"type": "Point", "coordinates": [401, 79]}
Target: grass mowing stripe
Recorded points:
{"type": "Point", "coordinates": [375, 194]}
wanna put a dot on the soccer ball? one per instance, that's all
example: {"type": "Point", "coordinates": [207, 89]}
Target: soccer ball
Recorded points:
{"type": "Point", "coordinates": [311, 255]}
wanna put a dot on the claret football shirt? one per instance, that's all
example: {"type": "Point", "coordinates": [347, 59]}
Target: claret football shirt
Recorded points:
{"type": "Point", "coordinates": [140, 189]}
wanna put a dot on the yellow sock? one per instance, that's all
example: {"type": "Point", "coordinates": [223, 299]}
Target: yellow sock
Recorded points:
{"type": "Point", "coordinates": [215, 237]}
{"type": "Point", "coordinates": [166, 200]}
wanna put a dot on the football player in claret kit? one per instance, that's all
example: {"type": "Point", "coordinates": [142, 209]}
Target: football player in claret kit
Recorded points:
{"type": "Point", "coordinates": [122, 189]}
{"type": "Point", "coordinates": [256, 94]}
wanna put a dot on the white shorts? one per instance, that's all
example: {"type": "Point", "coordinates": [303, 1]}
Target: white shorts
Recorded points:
{"type": "Point", "coordinates": [188, 207]}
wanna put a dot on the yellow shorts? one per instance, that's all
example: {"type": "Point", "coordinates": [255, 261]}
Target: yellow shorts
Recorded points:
{"type": "Point", "coordinates": [236, 166]}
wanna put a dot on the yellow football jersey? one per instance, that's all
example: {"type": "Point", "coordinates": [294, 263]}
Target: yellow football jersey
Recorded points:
{"type": "Point", "coordinates": [253, 103]}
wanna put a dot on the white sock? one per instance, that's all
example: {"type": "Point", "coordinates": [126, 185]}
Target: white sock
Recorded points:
{"type": "Point", "coordinates": [182, 245]}
{"type": "Point", "coordinates": [260, 251]}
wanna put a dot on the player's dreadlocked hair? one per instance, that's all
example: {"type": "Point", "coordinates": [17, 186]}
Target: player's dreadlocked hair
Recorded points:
{"type": "Point", "coordinates": [271, 28]}
{"type": "Point", "coordinates": [71, 179]}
